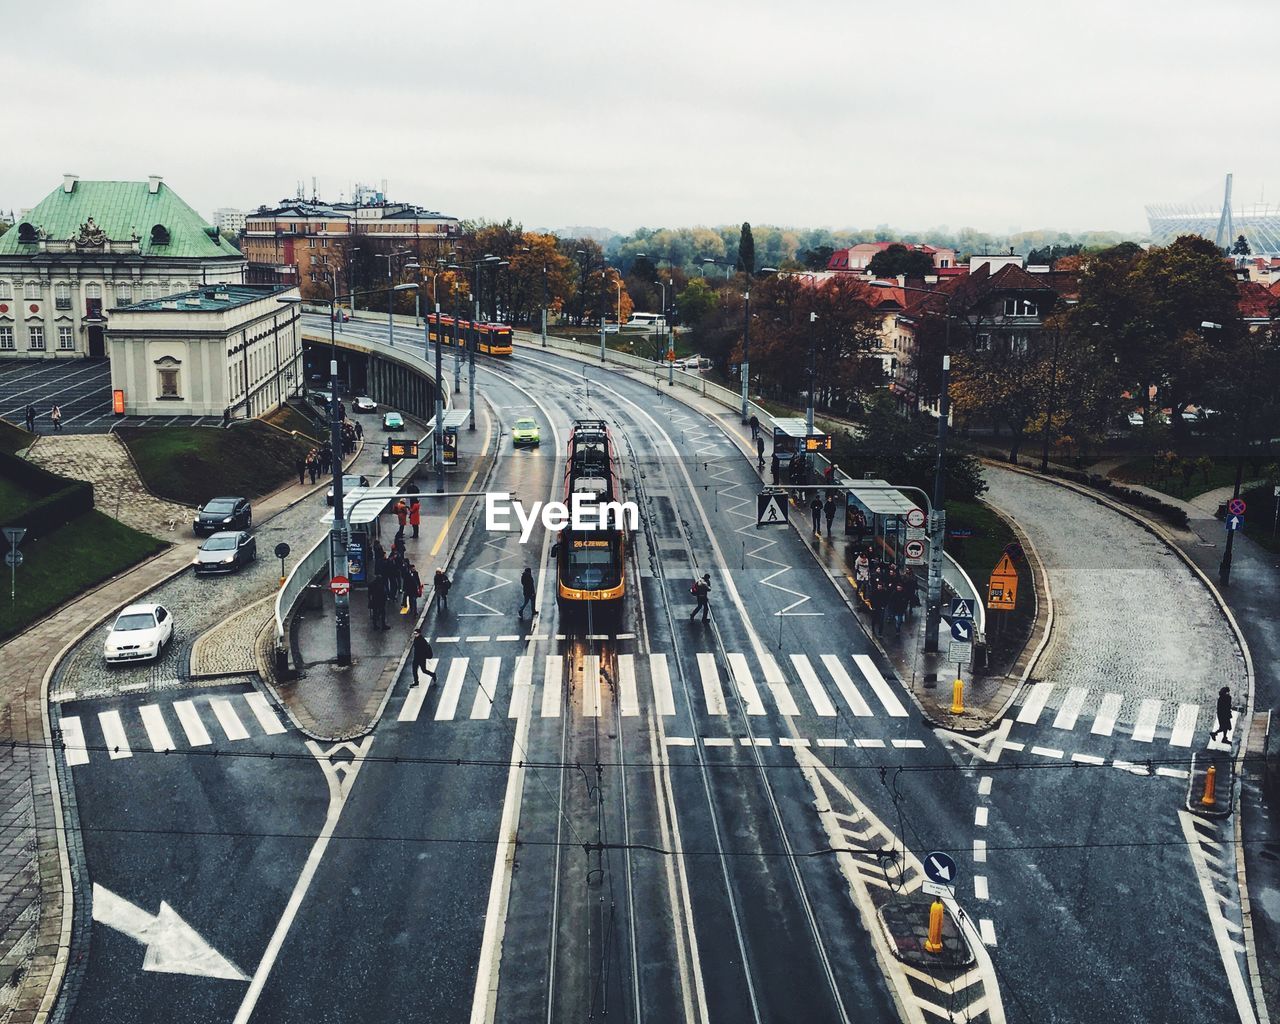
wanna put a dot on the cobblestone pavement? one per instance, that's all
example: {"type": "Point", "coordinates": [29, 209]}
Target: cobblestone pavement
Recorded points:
{"type": "Point", "coordinates": [1129, 615]}
{"type": "Point", "coordinates": [117, 489]}
{"type": "Point", "coordinates": [230, 645]}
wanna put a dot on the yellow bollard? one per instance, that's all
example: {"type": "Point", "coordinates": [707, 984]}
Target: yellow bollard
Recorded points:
{"type": "Point", "coordinates": [1210, 785]}
{"type": "Point", "coordinates": [282, 579]}
{"type": "Point", "coordinates": [933, 944]}
{"type": "Point", "coordinates": [957, 697]}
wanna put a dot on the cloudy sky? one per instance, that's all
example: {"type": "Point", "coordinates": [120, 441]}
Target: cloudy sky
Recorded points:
{"type": "Point", "coordinates": [995, 115]}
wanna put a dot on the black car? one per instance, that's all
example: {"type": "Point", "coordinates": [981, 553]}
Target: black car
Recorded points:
{"type": "Point", "coordinates": [226, 551]}
{"type": "Point", "coordinates": [223, 514]}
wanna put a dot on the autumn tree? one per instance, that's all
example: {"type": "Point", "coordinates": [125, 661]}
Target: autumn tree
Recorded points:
{"type": "Point", "coordinates": [897, 259]}
{"type": "Point", "coordinates": [746, 250]}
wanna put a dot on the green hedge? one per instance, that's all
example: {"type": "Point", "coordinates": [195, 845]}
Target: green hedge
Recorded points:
{"type": "Point", "coordinates": [61, 501]}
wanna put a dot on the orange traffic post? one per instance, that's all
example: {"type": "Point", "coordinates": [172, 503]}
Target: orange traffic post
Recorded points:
{"type": "Point", "coordinates": [957, 697]}
{"type": "Point", "coordinates": [1210, 786]}
{"type": "Point", "coordinates": [933, 944]}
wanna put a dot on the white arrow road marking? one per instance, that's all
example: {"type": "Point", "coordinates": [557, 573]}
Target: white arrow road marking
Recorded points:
{"type": "Point", "coordinates": [173, 946]}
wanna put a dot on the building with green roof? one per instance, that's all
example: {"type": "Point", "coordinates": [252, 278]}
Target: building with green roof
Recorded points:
{"type": "Point", "coordinates": [91, 246]}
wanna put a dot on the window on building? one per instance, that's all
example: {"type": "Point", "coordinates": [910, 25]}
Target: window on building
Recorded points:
{"type": "Point", "coordinates": [150, 291]}
{"type": "Point", "coordinates": [66, 339]}
{"type": "Point", "coordinates": [1018, 343]}
{"type": "Point", "coordinates": [169, 382]}
{"type": "Point", "coordinates": [31, 290]}
{"type": "Point", "coordinates": [6, 339]}
{"type": "Point", "coordinates": [1020, 307]}
{"type": "Point", "coordinates": [62, 295]}
{"type": "Point", "coordinates": [982, 342]}
{"type": "Point", "coordinates": [93, 291]}
{"type": "Point", "coordinates": [124, 294]}
{"type": "Point", "coordinates": [944, 262]}
{"type": "Point", "coordinates": [6, 291]}
{"type": "Point", "coordinates": [35, 339]}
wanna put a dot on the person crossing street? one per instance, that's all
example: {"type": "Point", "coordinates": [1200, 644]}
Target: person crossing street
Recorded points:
{"type": "Point", "coordinates": [1224, 714]}
{"type": "Point", "coordinates": [701, 591]}
{"type": "Point", "coordinates": [421, 652]}
{"type": "Point", "coordinates": [527, 585]}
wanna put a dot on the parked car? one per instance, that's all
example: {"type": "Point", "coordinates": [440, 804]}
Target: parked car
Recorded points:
{"type": "Point", "coordinates": [141, 631]}
{"type": "Point", "coordinates": [226, 551]}
{"type": "Point", "coordinates": [322, 398]}
{"type": "Point", "coordinates": [693, 363]}
{"type": "Point", "coordinates": [349, 484]}
{"type": "Point", "coordinates": [223, 514]}
{"type": "Point", "coordinates": [526, 431]}
{"type": "Point", "coordinates": [364, 403]}
{"type": "Point", "coordinates": [392, 421]}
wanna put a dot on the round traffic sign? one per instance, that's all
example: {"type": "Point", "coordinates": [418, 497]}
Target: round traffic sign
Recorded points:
{"type": "Point", "coordinates": [13, 559]}
{"type": "Point", "coordinates": [282, 550]}
{"type": "Point", "coordinates": [1236, 506]}
{"type": "Point", "coordinates": [915, 518]}
{"type": "Point", "coordinates": [915, 549]}
{"type": "Point", "coordinates": [340, 585]}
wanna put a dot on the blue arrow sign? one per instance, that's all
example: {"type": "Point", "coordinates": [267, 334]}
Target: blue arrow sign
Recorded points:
{"type": "Point", "coordinates": [940, 869]}
{"type": "Point", "coordinates": [961, 608]}
{"type": "Point", "coordinates": [1235, 523]}
{"type": "Point", "coordinates": [962, 630]}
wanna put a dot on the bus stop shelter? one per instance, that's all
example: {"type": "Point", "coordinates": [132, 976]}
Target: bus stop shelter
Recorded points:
{"type": "Point", "coordinates": [362, 508]}
{"type": "Point", "coordinates": [884, 508]}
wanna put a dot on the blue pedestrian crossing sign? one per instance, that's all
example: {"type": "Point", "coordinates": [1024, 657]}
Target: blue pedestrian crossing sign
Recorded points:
{"type": "Point", "coordinates": [961, 608]}
{"type": "Point", "coordinates": [962, 630]}
{"type": "Point", "coordinates": [771, 509]}
{"type": "Point", "coordinates": [940, 869]}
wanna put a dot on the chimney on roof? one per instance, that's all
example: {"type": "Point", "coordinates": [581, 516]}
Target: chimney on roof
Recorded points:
{"type": "Point", "coordinates": [902, 280]}
{"type": "Point", "coordinates": [69, 182]}
{"type": "Point", "coordinates": [153, 183]}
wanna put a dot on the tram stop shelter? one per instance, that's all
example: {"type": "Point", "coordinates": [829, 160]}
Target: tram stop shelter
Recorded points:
{"type": "Point", "coordinates": [362, 508]}
{"type": "Point", "coordinates": [884, 509]}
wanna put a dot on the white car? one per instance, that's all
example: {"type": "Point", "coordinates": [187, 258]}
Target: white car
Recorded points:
{"type": "Point", "coordinates": [364, 403]}
{"type": "Point", "coordinates": [140, 631]}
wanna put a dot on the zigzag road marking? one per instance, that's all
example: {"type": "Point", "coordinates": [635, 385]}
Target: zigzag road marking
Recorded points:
{"type": "Point", "coordinates": [502, 580]}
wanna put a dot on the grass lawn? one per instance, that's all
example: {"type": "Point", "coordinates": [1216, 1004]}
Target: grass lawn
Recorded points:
{"type": "Point", "coordinates": [979, 553]}
{"type": "Point", "coordinates": [289, 419]}
{"type": "Point", "coordinates": [14, 497]}
{"type": "Point", "coordinates": [89, 549]}
{"type": "Point", "coordinates": [193, 464]}
{"type": "Point", "coordinates": [1146, 471]}
{"type": "Point", "coordinates": [13, 439]}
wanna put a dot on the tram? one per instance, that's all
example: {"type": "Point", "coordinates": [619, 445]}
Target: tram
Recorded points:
{"type": "Point", "coordinates": [591, 561]}
{"type": "Point", "coordinates": [490, 339]}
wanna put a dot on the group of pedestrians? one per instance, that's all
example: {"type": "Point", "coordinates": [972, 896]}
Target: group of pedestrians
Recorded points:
{"type": "Point", "coordinates": [55, 417]}
{"type": "Point", "coordinates": [823, 509]}
{"type": "Point", "coordinates": [395, 582]}
{"type": "Point", "coordinates": [408, 514]}
{"type": "Point", "coordinates": [886, 590]}
{"type": "Point", "coordinates": [316, 463]}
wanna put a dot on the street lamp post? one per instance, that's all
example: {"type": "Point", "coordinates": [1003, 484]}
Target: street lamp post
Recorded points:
{"type": "Point", "coordinates": [390, 257]}
{"type": "Point", "coordinates": [746, 348]}
{"type": "Point", "coordinates": [544, 305]}
{"type": "Point", "coordinates": [813, 371]}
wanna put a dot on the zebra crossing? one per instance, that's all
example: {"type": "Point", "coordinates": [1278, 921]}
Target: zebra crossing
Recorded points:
{"type": "Point", "coordinates": [160, 728]}
{"type": "Point", "coordinates": [480, 688]}
{"type": "Point", "coordinates": [1141, 719]}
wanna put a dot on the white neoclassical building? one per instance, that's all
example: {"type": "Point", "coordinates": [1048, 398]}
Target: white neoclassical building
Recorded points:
{"type": "Point", "coordinates": [221, 349]}
{"type": "Point", "coordinates": [90, 246]}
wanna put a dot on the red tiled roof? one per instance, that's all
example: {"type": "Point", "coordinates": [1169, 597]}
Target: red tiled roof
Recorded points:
{"type": "Point", "coordinates": [1255, 300]}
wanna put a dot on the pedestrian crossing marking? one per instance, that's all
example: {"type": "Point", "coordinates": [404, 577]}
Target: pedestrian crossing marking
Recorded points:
{"type": "Point", "coordinates": [711, 690]}
{"type": "Point", "coordinates": [1034, 704]}
{"type": "Point", "coordinates": [1070, 710]}
{"type": "Point", "coordinates": [809, 680]}
{"type": "Point", "coordinates": [191, 724]}
{"type": "Point", "coordinates": [1144, 729]}
{"type": "Point", "coordinates": [157, 731]}
{"type": "Point", "coordinates": [845, 685]}
{"type": "Point", "coordinates": [413, 701]}
{"type": "Point", "coordinates": [663, 699]}
{"type": "Point", "coordinates": [228, 719]}
{"type": "Point", "coordinates": [113, 733]}
{"type": "Point", "coordinates": [1104, 723]}
{"type": "Point", "coordinates": [740, 672]}
{"type": "Point", "coordinates": [628, 695]}
{"type": "Point", "coordinates": [263, 712]}
{"type": "Point", "coordinates": [73, 741]}
{"type": "Point", "coordinates": [483, 703]}
{"type": "Point", "coordinates": [887, 697]}
{"type": "Point", "coordinates": [777, 684]}
{"type": "Point", "coordinates": [552, 684]}
{"type": "Point", "coordinates": [591, 686]}
{"type": "Point", "coordinates": [448, 705]}
{"type": "Point", "coordinates": [1184, 727]}
{"type": "Point", "coordinates": [522, 686]}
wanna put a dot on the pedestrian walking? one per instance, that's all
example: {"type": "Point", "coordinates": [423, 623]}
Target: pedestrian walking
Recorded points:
{"type": "Point", "coordinates": [421, 652]}
{"type": "Point", "coordinates": [1224, 714]}
{"type": "Point", "coordinates": [397, 543]}
{"type": "Point", "coordinates": [300, 464]}
{"type": "Point", "coordinates": [829, 511]}
{"type": "Point", "coordinates": [815, 507]}
{"type": "Point", "coordinates": [55, 414]}
{"type": "Point", "coordinates": [774, 466]}
{"type": "Point", "coordinates": [829, 474]}
{"type": "Point", "coordinates": [326, 459]}
{"type": "Point", "coordinates": [898, 601]}
{"type": "Point", "coordinates": [701, 590]}
{"type": "Point", "coordinates": [31, 419]}
{"type": "Point", "coordinates": [859, 526]}
{"type": "Point", "coordinates": [442, 583]}
{"type": "Point", "coordinates": [913, 590]}
{"type": "Point", "coordinates": [862, 572]}
{"type": "Point", "coordinates": [879, 605]}
{"type": "Point", "coordinates": [313, 465]}
{"type": "Point", "coordinates": [359, 431]}
{"type": "Point", "coordinates": [760, 453]}
{"type": "Point", "coordinates": [527, 585]}
{"type": "Point", "coordinates": [415, 515]}
{"type": "Point", "coordinates": [391, 576]}
{"type": "Point", "coordinates": [412, 589]}
{"type": "Point", "coordinates": [378, 603]}
{"type": "Point", "coordinates": [755, 428]}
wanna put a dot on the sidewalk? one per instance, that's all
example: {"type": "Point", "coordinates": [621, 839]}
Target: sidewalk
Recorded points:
{"type": "Point", "coordinates": [35, 914]}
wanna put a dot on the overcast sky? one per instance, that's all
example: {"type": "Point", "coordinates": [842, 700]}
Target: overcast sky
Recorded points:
{"type": "Point", "coordinates": [837, 113]}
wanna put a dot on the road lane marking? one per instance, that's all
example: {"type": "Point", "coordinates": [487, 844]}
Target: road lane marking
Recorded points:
{"type": "Point", "coordinates": [1184, 726]}
{"type": "Point", "coordinates": [448, 705]}
{"type": "Point", "coordinates": [1035, 702]}
{"type": "Point", "coordinates": [980, 817]}
{"type": "Point", "coordinates": [522, 687]}
{"type": "Point", "coordinates": [1070, 710]}
{"type": "Point", "coordinates": [882, 689]}
{"type": "Point", "coordinates": [984, 785]}
{"type": "Point", "coordinates": [832, 743]}
{"type": "Point", "coordinates": [717, 741]}
{"type": "Point", "coordinates": [979, 851]}
{"type": "Point", "coordinates": [844, 683]}
{"type": "Point", "coordinates": [591, 686]}
{"type": "Point", "coordinates": [628, 694]}
{"type": "Point", "coordinates": [790, 741]}
{"type": "Point", "coordinates": [909, 744]}
{"type": "Point", "coordinates": [988, 932]}
{"type": "Point", "coordinates": [477, 639]}
{"type": "Point", "coordinates": [228, 719]}
{"type": "Point", "coordinates": [679, 741]}
{"type": "Point", "coordinates": [711, 691]}
{"type": "Point", "coordinates": [263, 713]}
{"type": "Point", "coordinates": [660, 677]}
{"type": "Point", "coordinates": [1104, 723]}
{"type": "Point", "coordinates": [113, 731]}
{"type": "Point", "coordinates": [740, 673]}
{"type": "Point", "coordinates": [980, 891]}
{"type": "Point", "coordinates": [413, 701]}
{"type": "Point", "coordinates": [482, 706]}
{"type": "Point", "coordinates": [513, 636]}
{"type": "Point", "coordinates": [1173, 773]}
{"type": "Point", "coordinates": [1144, 729]}
{"type": "Point", "coordinates": [809, 680]}
{"type": "Point", "coordinates": [777, 683]}
{"type": "Point", "coordinates": [191, 724]}
{"type": "Point", "coordinates": [73, 741]}
{"type": "Point", "coordinates": [763, 741]}
{"type": "Point", "coordinates": [157, 731]}
{"type": "Point", "coordinates": [552, 684]}
{"type": "Point", "coordinates": [1088, 759]}
{"type": "Point", "coordinates": [1046, 752]}
{"type": "Point", "coordinates": [869, 744]}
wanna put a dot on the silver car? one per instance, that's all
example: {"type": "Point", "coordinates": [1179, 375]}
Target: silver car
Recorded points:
{"type": "Point", "coordinates": [226, 552]}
